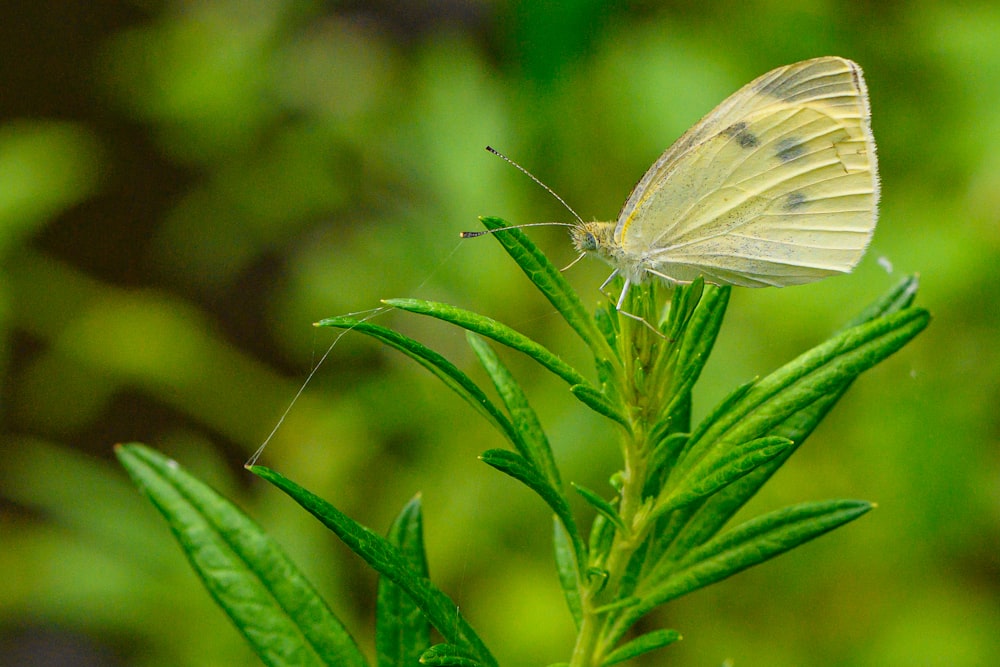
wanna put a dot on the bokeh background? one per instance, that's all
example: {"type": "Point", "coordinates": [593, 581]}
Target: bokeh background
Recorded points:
{"type": "Point", "coordinates": [186, 186]}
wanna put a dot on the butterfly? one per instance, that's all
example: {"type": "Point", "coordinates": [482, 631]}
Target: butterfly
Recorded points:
{"type": "Point", "coordinates": [777, 186]}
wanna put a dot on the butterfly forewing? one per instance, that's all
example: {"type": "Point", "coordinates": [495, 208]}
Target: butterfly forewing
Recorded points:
{"type": "Point", "coordinates": [777, 186]}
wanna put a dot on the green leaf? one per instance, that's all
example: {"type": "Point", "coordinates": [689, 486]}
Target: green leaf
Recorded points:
{"type": "Point", "coordinates": [551, 283]}
{"type": "Point", "coordinates": [600, 504]}
{"type": "Point", "coordinates": [691, 353]}
{"type": "Point", "coordinates": [515, 465]}
{"type": "Point", "coordinates": [534, 445]}
{"type": "Point", "coordinates": [712, 474]}
{"type": "Point", "coordinates": [896, 299]}
{"type": "Point", "coordinates": [443, 369]}
{"type": "Point", "coordinates": [817, 373]}
{"type": "Point", "coordinates": [682, 304]}
{"type": "Point", "coordinates": [490, 328]}
{"type": "Point", "coordinates": [602, 534]}
{"type": "Point", "coordinates": [599, 403]}
{"type": "Point", "coordinates": [387, 560]}
{"type": "Point", "coordinates": [724, 407]}
{"type": "Point", "coordinates": [665, 452]}
{"type": "Point", "coordinates": [568, 569]}
{"type": "Point", "coordinates": [640, 645]}
{"type": "Point", "coordinates": [402, 632]}
{"type": "Point", "coordinates": [606, 320]}
{"type": "Point", "coordinates": [447, 655]}
{"type": "Point", "coordinates": [749, 544]}
{"type": "Point", "coordinates": [271, 603]}
{"type": "Point", "coordinates": [703, 328]}
{"type": "Point", "coordinates": [633, 571]}
{"type": "Point", "coordinates": [706, 521]}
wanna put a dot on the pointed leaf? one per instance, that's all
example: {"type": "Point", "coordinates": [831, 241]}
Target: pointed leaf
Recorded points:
{"type": "Point", "coordinates": [387, 560]}
{"type": "Point", "coordinates": [402, 632]}
{"type": "Point", "coordinates": [490, 328]}
{"type": "Point", "coordinates": [535, 445]}
{"type": "Point", "coordinates": [749, 544]}
{"type": "Point", "coordinates": [633, 571]}
{"type": "Point", "coordinates": [447, 655]}
{"type": "Point", "coordinates": [600, 504]}
{"type": "Point", "coordinates": [550, 282]}
{"type": "Point", "coordinates": [703, 327]}
{"type": "Point", "coordinates": [268, 599]}
{"type": "Point", "coordinates": [705, 522]}
{"type": "Point", "coordinates": [715, 473]}
{"type": "Point", "coordinates": [665, 452]}
{"type": "Point", "coordinates": [599, 403]}
{"type": "Point", "coordinates": [682, 304]}
{"type": "Point", "coordinates": [900, 297]}
{"type": "Point", "coordinates": [602, 534]}
{"type": "Point", "coordinates": [817, 373]}
{"type": "Point", "coordinates": [568, 569]}
{"type": "Point", "coordinates": [515, 465]}
{"type": "Point", "coordinates": [443, 369]}
{"type": "Point", "coordinates": [640, 645]}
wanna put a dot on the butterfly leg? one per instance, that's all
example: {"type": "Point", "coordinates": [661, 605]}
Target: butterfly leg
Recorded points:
{"type": "Point", "coordinates": [621, 299]}
{"type": "Point", "coordinates": [621, 302]}
{"type": "Point", "coordinates": [608, 281]}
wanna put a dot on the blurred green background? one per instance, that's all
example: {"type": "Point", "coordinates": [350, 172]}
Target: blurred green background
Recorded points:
{"type": "Point", "coordinates": [186, 186]}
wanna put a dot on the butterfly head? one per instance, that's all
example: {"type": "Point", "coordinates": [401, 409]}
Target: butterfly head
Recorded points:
{"type": "Point", "coordinates": [596, 238]}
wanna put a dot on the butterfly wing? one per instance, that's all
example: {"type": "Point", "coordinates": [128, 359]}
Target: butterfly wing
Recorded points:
{"type": "Point", "coordinates": [777, 186]}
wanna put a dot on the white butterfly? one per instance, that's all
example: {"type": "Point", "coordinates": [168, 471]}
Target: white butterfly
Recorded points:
{"type": "Point", "coordinates": [776, 186]}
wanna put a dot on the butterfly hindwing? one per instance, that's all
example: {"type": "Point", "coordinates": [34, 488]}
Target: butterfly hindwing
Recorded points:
{"type": "Point", "coordinates": [776, 186]}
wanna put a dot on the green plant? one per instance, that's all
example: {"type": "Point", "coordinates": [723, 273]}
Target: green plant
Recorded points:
{"type": "Point", "coordinates": [657, 537]}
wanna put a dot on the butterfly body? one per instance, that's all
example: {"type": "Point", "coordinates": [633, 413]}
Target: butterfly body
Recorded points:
{"type": "Point", "coordinates": [776, 186]}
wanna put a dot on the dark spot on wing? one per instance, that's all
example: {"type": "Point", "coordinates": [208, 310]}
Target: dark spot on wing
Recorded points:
{"type": "Point", "coordinates": [790, 148]}
{"type": "Point", "coordinates": [739, 131]}
{"type": "Point", "coordinates": [793, 201]}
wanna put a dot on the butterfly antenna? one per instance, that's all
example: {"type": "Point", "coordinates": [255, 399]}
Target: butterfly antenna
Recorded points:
{"type": "Point", "coordinates": [532, 177]}
{"type": "Point", "coordinates": [471, 235]}
{"type": "Point", "coordinates": [573, 263]}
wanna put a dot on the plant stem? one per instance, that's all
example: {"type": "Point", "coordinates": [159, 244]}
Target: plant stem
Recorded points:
{"type": "Point", "coordinates": [640, 384]}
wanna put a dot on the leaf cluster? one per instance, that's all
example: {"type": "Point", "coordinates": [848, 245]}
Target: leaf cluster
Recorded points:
{"type": "Point", "coordinates": [658, 532]}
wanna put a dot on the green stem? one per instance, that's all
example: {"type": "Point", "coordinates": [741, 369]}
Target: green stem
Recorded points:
{"type": "Point", "coordinates": [640, 384]}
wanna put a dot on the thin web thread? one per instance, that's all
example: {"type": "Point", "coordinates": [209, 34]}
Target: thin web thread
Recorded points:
{"type": "Point", "coordinates": [281, 420]}
{"type": "Point", "coordinates": [371, 313]}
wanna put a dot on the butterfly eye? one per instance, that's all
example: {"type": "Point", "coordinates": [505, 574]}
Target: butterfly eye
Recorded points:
{"type": "Point", "coordinates": [589, 242]}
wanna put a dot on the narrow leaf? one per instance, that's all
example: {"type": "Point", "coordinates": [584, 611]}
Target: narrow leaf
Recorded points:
{"type": "Point", "coordinates": [713, 474]}
{"type": "Point", "coordinates": [602, 535]}
{"type": "Point", "coordinates": [447, 655]}
{"type": "Point", "coordinates": [551, 283]}
{"type": "Point", "coordinates": [268, 599]}
{"type": "Point", "coordinates": [600, 504]}
{"type": "Point", "coordinates": [599, 403]}
{"type": "Point", "coordinates": [749, 544]}
{"type": "Point", "coordinates": [706, 521]}
{"type": "Point", "coordinates": [703, 327]}
{"type": "Point", "coordinates": [630, 578]}
{"type": "Point", "coordinates": [682, 304]}
{"type": "Point", "coordinates": [896, 299]}
{"type": "Point", "coordinates": [568, 569]}
{"type": "Point", "coordinates": [490, 328]}
{"type": "Point", "coordinates": [822, 370]}
{"type": "Point", "coordinates": [724, 407]}
{"type": "Point", "coordinates": [443, 369]}
{"type": "Point", "coordinates": [515, 465]}
{"type": "Point", "coordinates": [534, 444]}
{"type": "Point", "coordinates": [640, 645]}
{"type": "Point", "coordinates": [390, 563]}
{"type": "Point", "coordinates": [402, 632]}
{"type": "Point", "coordinates": [665, 452]}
